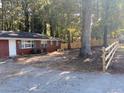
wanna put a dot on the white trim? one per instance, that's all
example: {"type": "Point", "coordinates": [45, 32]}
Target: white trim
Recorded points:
{"type": "Point", "coordinates": [44, 43]}
{"type": "Point", "coordinates": [3, 38]}
{"type": "Point", "coordinates": [24, 44]}
{"type": "Point", "coordinates": [54, 39]}
{"type": "Point", "coordinates": [12, 48]}
{"type": "Point", "coordinates": [45, 40]}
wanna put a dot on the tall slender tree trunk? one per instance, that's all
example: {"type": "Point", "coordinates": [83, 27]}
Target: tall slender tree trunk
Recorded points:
{"type": "Point", "coordinates": [32, 23]}
{"type": "Point", "coordinates": [26, 14]}
{"type": "Point", "coordinates": [2, 15]}
{"type": "Point", "coordinates": [12, 18]}
{"type": "Point", "coordinates": [45, 27]}
{"type": "Point", "coordinates": [105, 37]}
{"type": "Point", "coordinates": [51, 31]}
{"type": "Point", "coordinates": [86, 28]}
{"type": "Point", "coordinates": [26, 21]}
{"type": "Point", "coordinates": [105, 18]}
{"type": "Point", "coordinates": [69, 39]}
{"type": "Point", "coordinates": [52, 28]}
{"type": "Point", "coordinates": [57, 32]}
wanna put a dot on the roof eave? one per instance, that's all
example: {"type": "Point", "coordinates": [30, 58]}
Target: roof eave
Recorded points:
{"type": "Point", "coordinates": [9, 38]}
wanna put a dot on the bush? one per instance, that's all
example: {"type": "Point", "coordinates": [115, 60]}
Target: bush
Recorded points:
{"type": "Point", "coordinates": [36, 51]}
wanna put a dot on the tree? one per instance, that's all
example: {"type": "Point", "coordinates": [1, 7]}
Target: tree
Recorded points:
{"type": "Point", "coordinates": [34, 16]}
{"type": "Point", "coordinates": [39, 16]}
{"type": "Point", "coordinates": [26, 14]}
{"type": "Point", "coordinates": [105, 19]}
{"type": "Point", "coordinates": [86, 28]}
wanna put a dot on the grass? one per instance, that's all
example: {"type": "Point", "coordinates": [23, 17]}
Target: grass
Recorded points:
{"type": "Point", "coordinates": [122, 47]}
{"type": "Point", "coordinates": [1, 61]}
{"type": "Point", "coordinates": [29, 55]}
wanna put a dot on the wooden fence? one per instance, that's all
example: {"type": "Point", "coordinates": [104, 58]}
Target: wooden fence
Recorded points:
{"type": "Point", "coordinates": [77, 44]}
{"type": "Point", "coordinates": [108, 54]}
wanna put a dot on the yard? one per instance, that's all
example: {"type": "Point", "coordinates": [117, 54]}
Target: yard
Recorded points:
{"type": "Point", "coordinates": [57, 72]}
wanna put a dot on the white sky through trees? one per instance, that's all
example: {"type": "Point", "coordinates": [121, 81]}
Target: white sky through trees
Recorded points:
{"type": "Point", "coordinates": [0, 4]}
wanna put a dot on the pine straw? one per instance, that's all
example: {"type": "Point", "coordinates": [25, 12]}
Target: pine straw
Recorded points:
{"type": "Point", "coordinates": [66, 61]}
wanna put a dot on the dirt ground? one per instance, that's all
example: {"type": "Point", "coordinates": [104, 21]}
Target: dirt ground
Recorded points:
{"type": "Point", "coordinates": [117, 65]}
{"type": "Point", "coordinates": [68, 60]}
{"type": "Point", "coordinates": [60, 72]}
{"type": "Point", "coordinates": [23, 78]}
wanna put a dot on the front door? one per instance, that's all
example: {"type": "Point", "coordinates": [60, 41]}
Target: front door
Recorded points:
{"type": "Point", "coordinates": [12, 48]}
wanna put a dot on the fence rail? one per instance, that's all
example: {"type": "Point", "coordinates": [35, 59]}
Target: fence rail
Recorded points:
{"type": "Point", "coordinates": [108, 54]}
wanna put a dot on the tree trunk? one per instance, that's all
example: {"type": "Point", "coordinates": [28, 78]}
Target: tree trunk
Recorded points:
{"type": "Point", "coordinates": [105, 38]}
{"type": "Point", "coordinates": [69, 39]}
{"type": "Point", "coordinates": [51, 31]}
{"type": "Point", "coordinates": [32, 23]}
{"type": "Point", "coordinates": [26, 14]}
{"type": "Point", "coordinates": [52, 28]}
{"type": "Point", "coordinates": [86, 28]}
{"type": "Point", "coordinates": [106, 14]}
{"type": "Point", "coordinates": [26, 21]}
{"type": "Point", "coordinates": [2, 15]}
{"type": "Point", "coordinates": [45, 28]}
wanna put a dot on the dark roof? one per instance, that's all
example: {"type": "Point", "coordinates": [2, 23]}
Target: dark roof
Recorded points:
{"type": "Point", "coordinates": [10, 34]}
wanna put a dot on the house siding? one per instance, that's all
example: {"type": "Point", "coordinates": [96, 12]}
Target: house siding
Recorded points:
{"type": "Point", "coordinates": [26, 51]}
{"type": "Point", "coordinates": [53, 47]}
{"type": "Point", "coordinates": [4, 48]}
{"type": "Point", "coordinates": [49, 48]}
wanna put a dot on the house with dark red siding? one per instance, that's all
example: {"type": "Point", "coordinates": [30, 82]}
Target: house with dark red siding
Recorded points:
{"type": "Point", "coordinates": [23, 43]}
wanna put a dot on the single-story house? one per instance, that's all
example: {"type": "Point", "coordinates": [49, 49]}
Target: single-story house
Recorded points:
{"type": "Point", "coordinates": [21, 43]}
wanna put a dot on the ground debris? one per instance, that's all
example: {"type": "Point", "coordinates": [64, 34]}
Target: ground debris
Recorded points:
{"type": "Point", "coordinates": [67, 60]}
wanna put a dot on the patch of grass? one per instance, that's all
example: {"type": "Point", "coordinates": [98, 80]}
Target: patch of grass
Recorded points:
{"type": "Point", "coordinates": [2, 61]}
{"type": "Point", "coordinates": [29, 55]}
{"type": "Point", "coordinates": [122, 46]}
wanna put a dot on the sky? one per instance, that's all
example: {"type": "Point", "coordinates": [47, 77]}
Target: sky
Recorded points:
{"type": "Point", "coordinates": [0, 4]}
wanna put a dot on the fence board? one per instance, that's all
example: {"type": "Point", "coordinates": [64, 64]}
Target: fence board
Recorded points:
{"type": "Point", "coordinates": [108, 54]}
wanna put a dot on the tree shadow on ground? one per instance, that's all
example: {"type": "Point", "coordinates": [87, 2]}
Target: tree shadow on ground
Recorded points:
{"type": "Point", "coordinates": [70, 61]}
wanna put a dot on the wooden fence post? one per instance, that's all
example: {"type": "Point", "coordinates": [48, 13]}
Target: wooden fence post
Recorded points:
{"type": "Point", "coordinates": [103, 59]}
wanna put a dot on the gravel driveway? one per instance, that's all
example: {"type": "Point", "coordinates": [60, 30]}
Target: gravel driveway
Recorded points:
{"type": "Point", "coordinates": [17, 78]}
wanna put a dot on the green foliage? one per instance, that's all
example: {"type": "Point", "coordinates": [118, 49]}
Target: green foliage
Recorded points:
{"type": "Point", "coordinates": [60, 15]}
{"type": "Point", "coordinates": [97, 31]}
{"type": "Point", "coordinates": [34, 15]}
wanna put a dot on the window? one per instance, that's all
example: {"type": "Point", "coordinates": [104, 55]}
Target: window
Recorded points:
{"type": "Point", "coordinates": [51, 42]}
{"type": "Point", "coordinates": [25, 44]}
{"type": "Point", "coordinates": [44, 44]}
{"type": "Point", "coordinates": [57, 43]}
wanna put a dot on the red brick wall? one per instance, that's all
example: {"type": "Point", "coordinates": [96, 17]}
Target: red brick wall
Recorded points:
{"type": "Point", "coordinates": [25, 51]}
{"type": "Point", "coordinates": [4, 48]}
{"type": "Point", "coordinates": [53, 47]}
{"type": "Point", "coordinates": [50, 48]}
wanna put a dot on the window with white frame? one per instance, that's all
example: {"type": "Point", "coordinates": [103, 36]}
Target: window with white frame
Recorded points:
{"type": "Point", "coordinates": [25, 44]}
{"type": "Point", "coordinates": [43, 43]}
